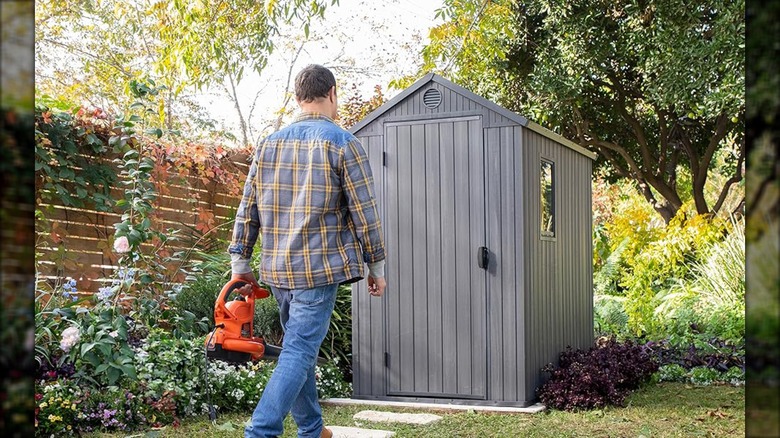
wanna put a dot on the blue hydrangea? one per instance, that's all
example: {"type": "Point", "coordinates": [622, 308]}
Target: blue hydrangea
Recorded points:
{"type": "Point", "coordinates": [70, 285]}
{"type": "Point", "coordinates": [69, 289]}
{"type": "Point", "coordinates": [105, 293]}
{"type": "Point", "coordinates": [126, 274]}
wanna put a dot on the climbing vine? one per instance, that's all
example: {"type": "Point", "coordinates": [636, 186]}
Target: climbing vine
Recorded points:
{"type": "Point", "coordinates": [125, 165]}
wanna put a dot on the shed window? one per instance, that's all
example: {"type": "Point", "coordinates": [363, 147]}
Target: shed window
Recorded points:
{"type": "Point", "coordinates": [548, 198]}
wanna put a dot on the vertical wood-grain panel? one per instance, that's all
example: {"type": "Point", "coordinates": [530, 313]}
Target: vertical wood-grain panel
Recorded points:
{"type": "Point", "coordinates": [478, 236]}
{"type": "Point", "coordinates": [494, 291]}
{"type": "Point", "coordinates": [394, 260]}
{"type": "Point", "coordinates": [433, 184]}
{"type": "Point", "coordinates": [406, 265]}
{"type": "Point", "coordinates": [508, 268]}
{"type": "Point", "coordinates": [420, 306]}
{"type": "Point", "coordinates": [462, 259]}
{"type": "Point", "coordinates": [376, 306]}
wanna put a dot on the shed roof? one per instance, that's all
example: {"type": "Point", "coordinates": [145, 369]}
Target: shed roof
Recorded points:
{"type": "Point", "coordinates": [520, 120]}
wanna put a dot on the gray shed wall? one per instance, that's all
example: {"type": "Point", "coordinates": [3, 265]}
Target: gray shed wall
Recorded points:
{"type": "Point", "coordinates": [505, 212]}
{"type": "Point", "coordinates": [559, 281]}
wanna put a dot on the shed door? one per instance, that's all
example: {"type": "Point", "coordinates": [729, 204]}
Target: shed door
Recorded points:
{"type": "Point", "coordinates": [434, 226]}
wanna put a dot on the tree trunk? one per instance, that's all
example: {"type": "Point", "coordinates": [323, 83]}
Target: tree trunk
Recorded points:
{"type": "Point", "coordinates": [241, 120]}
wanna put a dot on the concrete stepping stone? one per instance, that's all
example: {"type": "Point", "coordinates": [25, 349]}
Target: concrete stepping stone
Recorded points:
{"type": "Point", "coordinates": [395, 417]}
{"type": "Point", "coordinates": [356, 432]}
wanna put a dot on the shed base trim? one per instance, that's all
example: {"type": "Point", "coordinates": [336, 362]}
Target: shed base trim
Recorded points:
{"type": "Point", "coordinates": [445, 404]}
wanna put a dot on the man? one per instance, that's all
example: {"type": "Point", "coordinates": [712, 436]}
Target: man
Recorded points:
{"type": "Point", "coordinates": [310, 192]}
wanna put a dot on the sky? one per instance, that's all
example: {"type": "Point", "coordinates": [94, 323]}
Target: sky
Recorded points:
{"type": "Point", "coordinates": [366, 42]}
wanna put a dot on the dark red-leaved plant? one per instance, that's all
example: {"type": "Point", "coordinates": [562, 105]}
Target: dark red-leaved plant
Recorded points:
{"type": "Point", "coordinates": [602, 375]}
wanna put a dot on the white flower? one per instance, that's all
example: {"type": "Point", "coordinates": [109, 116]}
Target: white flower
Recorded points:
{"type": "Point", "coordinates": [114, 334]}
{"type": "Point", "coordinates": [70, 337]}
{"type": "Point", "coordinates": [121, 245]}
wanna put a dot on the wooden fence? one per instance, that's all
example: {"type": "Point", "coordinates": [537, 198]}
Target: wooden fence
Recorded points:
{"type": "Point", "coordinates": [76, 242]}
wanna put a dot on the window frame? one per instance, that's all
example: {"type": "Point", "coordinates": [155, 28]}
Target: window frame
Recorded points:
{"type": "Point", "coordinates": [544, 234]}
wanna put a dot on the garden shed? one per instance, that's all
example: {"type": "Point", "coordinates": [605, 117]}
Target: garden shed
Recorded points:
{"type": "Point", "coordinates": [487, 222]}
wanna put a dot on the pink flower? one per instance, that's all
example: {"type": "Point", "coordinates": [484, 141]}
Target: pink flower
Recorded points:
{"type": "Point", "coordinates": [121, 245]}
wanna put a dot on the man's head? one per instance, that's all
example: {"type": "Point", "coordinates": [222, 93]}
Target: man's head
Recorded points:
{"type": "Point", "coordinates": [315, 90]}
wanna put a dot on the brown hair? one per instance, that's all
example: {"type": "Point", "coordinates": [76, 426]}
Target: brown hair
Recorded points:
{"type": "Point", "coordinates": [312, 82]}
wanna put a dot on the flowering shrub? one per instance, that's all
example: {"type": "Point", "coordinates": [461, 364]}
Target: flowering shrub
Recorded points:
{"type": "Point", "coordinates": [168, 385]}
{"type": "Point", "coordinates": [70, 337]}
{"type": "Point", "coordinates": [603, 375]}
{"type": "Point", "coordinates": [57, 406]}
{"type": "Point", "coordinates": [171, 366]}
{"type": "Point", "coordinates": [330, 381]}
{"type": "Point", "coordinates": [64, 408]}
{"type": "Point", "coordinates": [237, 387]}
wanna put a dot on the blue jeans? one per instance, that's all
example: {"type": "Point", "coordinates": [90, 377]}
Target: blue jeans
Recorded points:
{"type": "Point", "coordinates": [305, 317]}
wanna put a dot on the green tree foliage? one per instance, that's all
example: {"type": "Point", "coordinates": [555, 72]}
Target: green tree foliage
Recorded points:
{"type": "Point", "coordinates": [92, 49]}
{"type": "Point", "coordinates": [653, 87]}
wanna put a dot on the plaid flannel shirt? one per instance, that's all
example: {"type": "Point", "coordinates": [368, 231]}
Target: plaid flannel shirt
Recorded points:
{"type": "Point", "coordinates": [310, 193]}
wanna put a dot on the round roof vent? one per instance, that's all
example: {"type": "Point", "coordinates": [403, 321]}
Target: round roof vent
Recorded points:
{"type": "Point", "coordinates": [432, 98]}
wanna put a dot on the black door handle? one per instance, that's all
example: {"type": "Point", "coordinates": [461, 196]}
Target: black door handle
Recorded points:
{"type": "Point", "coordinates": [483, 257]}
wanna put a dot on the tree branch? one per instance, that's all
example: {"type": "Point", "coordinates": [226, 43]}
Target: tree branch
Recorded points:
{"type": "Point", "coordinates": [241, 120]}
{"type": "Point", "coordinates": [96, 58]}
{"type": "Point", "coordinates": [702, 166]}
{"type": "Point", "coordinates": [731, 181]}
{"type": "Point", "coordinates": [287, 94]}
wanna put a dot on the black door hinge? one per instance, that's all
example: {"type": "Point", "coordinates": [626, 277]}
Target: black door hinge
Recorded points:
{"type": "Point", "coordinates": [384, 158]}
{"type": "Point", "coordinates": [387, 360]}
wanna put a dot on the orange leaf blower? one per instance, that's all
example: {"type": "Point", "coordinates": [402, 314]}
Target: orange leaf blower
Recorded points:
{"type": "Point", "coordinates": [232, 339]}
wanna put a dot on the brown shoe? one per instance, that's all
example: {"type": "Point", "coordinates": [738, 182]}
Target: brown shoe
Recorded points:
{"type": "Point", "coordinates": [326, 433]}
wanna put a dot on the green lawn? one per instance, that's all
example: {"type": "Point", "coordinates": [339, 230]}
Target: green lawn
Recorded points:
{"type": "Point", "coordinates": [663, 410]}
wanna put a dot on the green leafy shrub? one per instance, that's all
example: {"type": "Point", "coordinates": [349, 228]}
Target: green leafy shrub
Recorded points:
{"type": "Point", "coordinates": [267, 323]}
{"type": "Point", "coordinates": [662, 264]}
{"type": "Point", "coordinates": [610, 317]}
{"type": "Point", "coordinates": [734, 376]}
{"type": "Point", "coordinates": [700, 375]}
{"type": "Point", "coordinates": [337, 346]}
{"type": "Point", "coordinates": [720, 285]}
{"type": "Point", "coordinates": [173, 366]}
{"type": "Point", "coordinates": [197, 297]}
{"type": "Point", "coordinates": [606, 278]}
{"type": "Point", "coordinates": [703, 376]}
{"type": "Point", "coordinates": [720, 279]}
{"type": "Point", "coordinates": [672, 373]}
